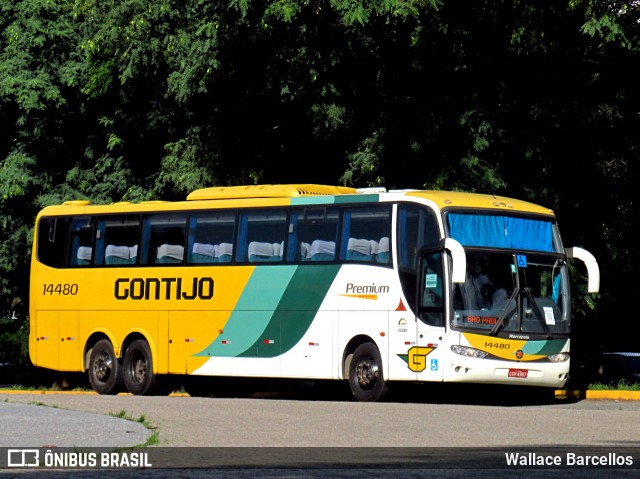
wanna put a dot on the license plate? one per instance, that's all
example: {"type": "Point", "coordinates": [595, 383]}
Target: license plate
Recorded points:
{"type": "Point", "coordinates": [518, 373]}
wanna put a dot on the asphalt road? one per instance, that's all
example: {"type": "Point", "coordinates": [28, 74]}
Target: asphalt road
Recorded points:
{"type": "Point", "coordinates": [388, 435]}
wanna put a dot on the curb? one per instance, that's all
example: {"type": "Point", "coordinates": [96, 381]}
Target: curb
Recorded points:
{"type": "Point", "coordinates": [613, 395]}
{"type": "Point", "coordinates": [80, 393]}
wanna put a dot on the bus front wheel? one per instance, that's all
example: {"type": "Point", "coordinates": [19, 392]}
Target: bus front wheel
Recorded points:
{"type": "Point", "coordinates": [365, 374]}
{"type": "Point", "coordinates": [137, 369]}
{"type": "Point", "coordinates": [104, 371]}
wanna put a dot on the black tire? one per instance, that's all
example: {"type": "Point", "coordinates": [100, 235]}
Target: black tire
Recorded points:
{"type": "Point", "coordinates": [137, 369]}
{"type": "Point", "coordinates": [105, 372]}
{"type": "Point", "coordinates": [366, 377]}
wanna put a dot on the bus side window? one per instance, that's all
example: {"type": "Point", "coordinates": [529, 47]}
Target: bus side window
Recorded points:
{"type": "Point", "coordinates": [64, 241]}
{"type": "Point", "coordinates": [417, 227]}
{"type": "Point", "coordinates": [211, 237]}
{"type": "Point", "coordinates": [80, 236]}
{"type": "Point", "coordinates": [164, 238]}
{"type": "Point", "coordinates": [117, 240]}
{"type": "Point", "coordinates": [313, 234]}
{"type": "Point", "coordinates": [363, 229]}
{"type": "Point", "coordinates": [262, 236]}
{"type": "Point", "coordinates": [432, 295]}
{"type": "Point", "coordinates": [431, 308]}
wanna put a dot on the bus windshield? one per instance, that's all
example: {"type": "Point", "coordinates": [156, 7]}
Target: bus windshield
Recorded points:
{"type": "Point", "coordinates": [506, 293]}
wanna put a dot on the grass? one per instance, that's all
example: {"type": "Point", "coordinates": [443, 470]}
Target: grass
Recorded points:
{"type": "Point", "coordinates": [622, 385]}
{"type": "Point", "coordinates": [153, 439]}
{"type": "Point", "coordinates": [20, 387]}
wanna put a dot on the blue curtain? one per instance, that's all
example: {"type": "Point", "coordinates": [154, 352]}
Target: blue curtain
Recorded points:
{"type": "Point", "coordinates": [501, 231]}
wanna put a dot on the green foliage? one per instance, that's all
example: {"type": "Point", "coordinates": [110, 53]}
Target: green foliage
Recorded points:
{"type": "Point", "coordinates": [16, 176]}
{"type": "Point", "coordinates": [365, 162]}
{"type": "Point", "coordinates": [361, 12]}
{"type": "Point", "coordinates": [184, 168]}
{"type": "Point", "coordinates": [282, 11]}
{"type": "Point", "coordinates": [38, 58]}
{"type": "Point", "coordinates": [327, 117]}
{"type": "Point", "coordinates": [105, 182]}
{"type": "Point", "coordinates": [14, 337]}
{"type": "Point", "coordinates": [478, 170]}
{"type": "Point", "coordinates": [610, 22]}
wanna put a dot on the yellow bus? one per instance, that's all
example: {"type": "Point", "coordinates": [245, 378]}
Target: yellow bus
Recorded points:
{"type": "Point", "coordinates": [304, 282]}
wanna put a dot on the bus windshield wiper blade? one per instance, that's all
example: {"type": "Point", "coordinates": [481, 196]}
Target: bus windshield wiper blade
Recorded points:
{"type": "Point", "coordinates": [506, 314]}
{"type": "Point", "coordinates": [537, 313]}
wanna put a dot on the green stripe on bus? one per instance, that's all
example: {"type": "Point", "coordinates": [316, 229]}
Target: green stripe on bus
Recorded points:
{"type": "Point", "coordinates": [330, 200]}
{"type": "Point", "coordinates": [295, 312]}
{"type": "Point", "coordinates": [313, 200]}
{"type": "Point", "coordinates": [253, 312]}
{"type": "Point", "coordinates": [362, 198]}
{"type": "Point", "coordinates": [553, 346]}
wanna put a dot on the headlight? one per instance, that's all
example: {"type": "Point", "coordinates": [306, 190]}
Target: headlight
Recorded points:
{"type": "Point", "coordinates": [469, 352]}
{"type": "Point", "coordinates": [558, 358]}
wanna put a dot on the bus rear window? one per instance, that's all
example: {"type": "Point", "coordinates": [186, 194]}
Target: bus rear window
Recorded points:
{"type": "Point", "coordinates": [65, 241]}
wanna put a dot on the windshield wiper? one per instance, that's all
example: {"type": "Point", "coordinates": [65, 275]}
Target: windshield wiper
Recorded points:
{"type": "Point", "coordinates": [506, 314]}
{"type": "Point", "coordinates": [537, 313]}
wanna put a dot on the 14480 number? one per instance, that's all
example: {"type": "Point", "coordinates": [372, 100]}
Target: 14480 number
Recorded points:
{"type": "Point", "coordinates": [60, 289]}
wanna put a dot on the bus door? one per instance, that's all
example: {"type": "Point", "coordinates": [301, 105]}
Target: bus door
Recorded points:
{"type": "Point", "coordinates": [425, 357]}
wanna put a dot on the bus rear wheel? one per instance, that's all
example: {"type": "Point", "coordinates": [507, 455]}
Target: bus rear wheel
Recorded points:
{"type": "Point", "coordinates": [365, 374]}
{"type": "Point", "coordinates": [105, 374]}
{"type": "Point", "coordinates": [137, 369]}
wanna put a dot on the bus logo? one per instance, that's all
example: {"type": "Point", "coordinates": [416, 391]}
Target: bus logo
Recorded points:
{"type": "Point", "coordinates": [418, 358]}
{"type": "Point", "coordinates": [402, 325]}
{"type": "Point", "coordinates": [163, 288]}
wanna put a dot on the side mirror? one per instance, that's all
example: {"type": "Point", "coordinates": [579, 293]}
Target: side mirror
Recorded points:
{"type": "Point", "coordinates": [459, 260]}
{"type": "Point", "coordinates": [593, 270]}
